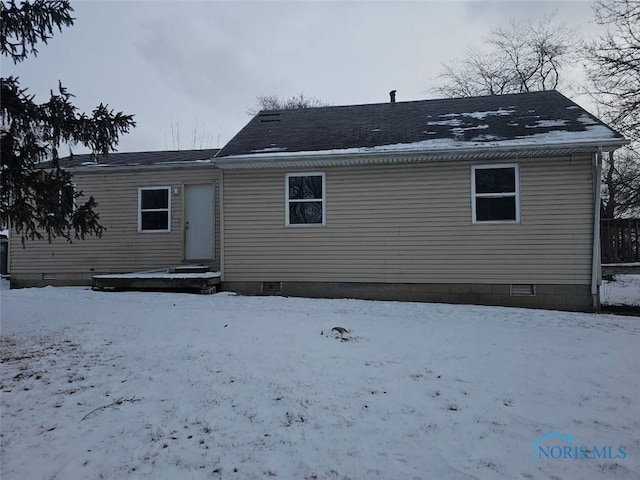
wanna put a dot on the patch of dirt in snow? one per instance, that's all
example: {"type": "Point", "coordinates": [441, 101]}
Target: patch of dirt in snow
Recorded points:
{"type": "Point", "coordinates": [32, 361]}
{"type": "Point", "coordinates": [50, 380]}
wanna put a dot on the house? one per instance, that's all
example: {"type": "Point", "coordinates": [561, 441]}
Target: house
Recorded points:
{"type": "Point", "coordinates": [484, 200]}
{"type": "Point", "coordinates": [146, 201]}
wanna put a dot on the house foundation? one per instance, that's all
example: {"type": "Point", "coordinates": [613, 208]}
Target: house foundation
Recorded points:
{"type": "Point", "coordinates": [575, 298]}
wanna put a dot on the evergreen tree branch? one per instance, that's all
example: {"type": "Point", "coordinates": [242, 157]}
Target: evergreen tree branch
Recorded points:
{"type": "Point", "coordinates": [39, 199]}
{"type": "Point", "coordinates": [23, 27]}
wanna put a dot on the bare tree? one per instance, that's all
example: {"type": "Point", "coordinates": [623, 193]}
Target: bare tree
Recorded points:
{"type": "Point", "coordinates": [525, 56]}
{"type": "Point", "coordinates": [273, 102]}
{"type": "Point", "coordinates": [621, 185]}
{"type": "Point", "coordinates": [613, 64]}
{"type": "Point", "coordinates": [199, 138]}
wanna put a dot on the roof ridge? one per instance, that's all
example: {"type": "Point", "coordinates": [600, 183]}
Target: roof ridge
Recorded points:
{"type": "Point", "coordinates": [441, 99]}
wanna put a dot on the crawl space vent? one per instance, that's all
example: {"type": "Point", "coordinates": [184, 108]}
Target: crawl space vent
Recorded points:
{"type": "Point", "coordinates": [520, 290]}
{"type": "Point", "coordinates": [272, 288]}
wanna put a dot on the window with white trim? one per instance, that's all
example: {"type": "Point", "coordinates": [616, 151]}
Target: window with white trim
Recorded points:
{"type": "Point", "coordinates": [68, 202]}
{"type": "Point", "coordinates": [63, 201]}
{"type": "Point", "coordinates": [154, 209]}
{"type": "Point", "coordinates": [305, 195]}
{"type": "Point", "coordinates": [495, 194]}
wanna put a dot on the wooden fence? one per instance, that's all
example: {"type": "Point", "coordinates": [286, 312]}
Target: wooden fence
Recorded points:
{"type": "Point", "coordinates": [620, 240]}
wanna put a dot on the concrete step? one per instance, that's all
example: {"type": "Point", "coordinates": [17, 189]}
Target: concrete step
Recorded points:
{"type": "Point", "coordinates": [190, 269]}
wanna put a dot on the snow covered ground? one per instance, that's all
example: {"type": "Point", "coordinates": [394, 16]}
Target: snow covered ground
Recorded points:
{"type": "Point", "coordinates": [177, 386]}
{"type": "Point", "coordinates": [624, 289]}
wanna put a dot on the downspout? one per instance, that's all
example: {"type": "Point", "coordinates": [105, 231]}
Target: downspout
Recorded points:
{"type": "Point", "coordinates": [221, 225]}
{"type": "Point", "coordinates": [595, 257]}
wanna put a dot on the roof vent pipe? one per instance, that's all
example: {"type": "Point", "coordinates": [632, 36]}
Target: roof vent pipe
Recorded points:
{"type": "Point", "coordinates": [392, 94]}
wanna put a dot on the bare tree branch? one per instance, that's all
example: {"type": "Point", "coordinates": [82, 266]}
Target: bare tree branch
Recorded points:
{"type": "Point", "coordinates": [199, 138]}
{"type": "Point", "coordinates": [613, 68]}
{"type": "Point", "coordinates": [621, 185]}
{"type": "Point", "coordinates": [613, 65]}
{"type": "Point", "coordinates": [522, 57]}
{"type": "Point", "coordinates": [273, 102]}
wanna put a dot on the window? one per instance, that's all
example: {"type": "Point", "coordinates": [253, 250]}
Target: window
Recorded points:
{"type": "Point", "coordinates": [62, 201]}
{"type": "Point", "coordinates": [495, 193]}
{"type": "Point", "coordinates": [305, 199]}
{"type": "Point", "coordinates": [68, 199]}
{"type": "Point", "coordinates": [154, 209]}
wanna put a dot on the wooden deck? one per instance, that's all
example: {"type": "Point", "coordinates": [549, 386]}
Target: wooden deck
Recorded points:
{"type": "Point", "coordinates": [189, 278]}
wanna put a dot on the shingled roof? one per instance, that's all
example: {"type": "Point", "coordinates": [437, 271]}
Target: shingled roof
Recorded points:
{"type": "Point", "coordinates": [139, 159]}
{"type": "Point", "coordinates": [538, 118]}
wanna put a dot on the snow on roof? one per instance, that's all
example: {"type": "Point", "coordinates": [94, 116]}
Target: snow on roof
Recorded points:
{"type": "Point", "coordinates": [555, 137]}
{"type": "Point", "coordinates": [548, 123]}
{"type": "Point", "coordinates": [531, 119]}
{"type": "Point", "coordinates": [587, 120]}
{"type": "Point", "coordinates": [139, 159]}
{"type": "Point", "coordinates": [481, 115]}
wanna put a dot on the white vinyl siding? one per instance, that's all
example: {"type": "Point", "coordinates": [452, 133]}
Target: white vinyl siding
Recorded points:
{"type": "Point", "coordinates": [122, 248]}
{"type": "Point", "coordinates": [412, 223]}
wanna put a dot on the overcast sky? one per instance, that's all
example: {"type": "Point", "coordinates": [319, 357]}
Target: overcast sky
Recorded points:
{"type": "Point", "coordinates": [202, 64]}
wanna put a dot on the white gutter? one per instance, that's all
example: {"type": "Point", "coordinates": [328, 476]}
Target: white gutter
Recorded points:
{"type": "Point", "coordinates": [106, 168]}
{"type": "Point", "coordinates": [595, 260]}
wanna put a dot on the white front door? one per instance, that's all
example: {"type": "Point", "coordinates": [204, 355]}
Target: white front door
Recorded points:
{"type": "Point", "coordinates": [198, 222]}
